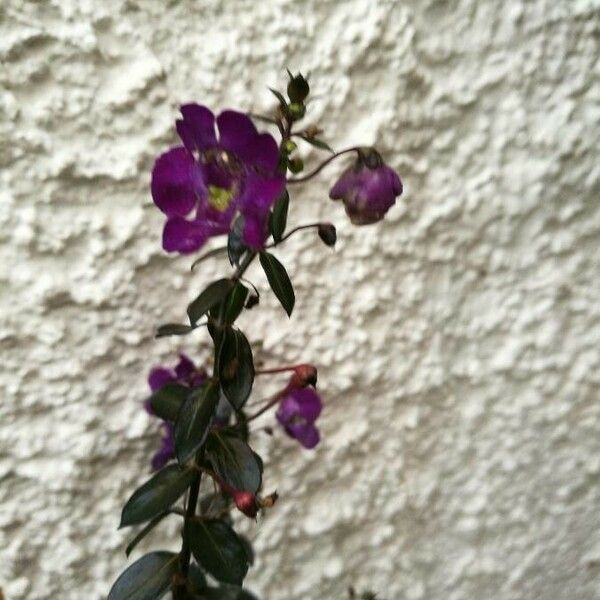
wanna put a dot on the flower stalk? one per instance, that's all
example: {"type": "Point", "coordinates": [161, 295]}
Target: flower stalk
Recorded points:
{"type": "Point", "coordinates": [228, 179]}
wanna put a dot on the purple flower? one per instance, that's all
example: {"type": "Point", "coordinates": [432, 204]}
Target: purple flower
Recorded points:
{"type": "Point", "coordinates": [297, 413]}
{"type": "Point", "coordinates": [185, 373]}
{"type": "Point", "coordinates": [202, 185]}
{"type": "Point", "coordinates": [167, 447]}
{"type": "Point", "coordinates": [368, 188]}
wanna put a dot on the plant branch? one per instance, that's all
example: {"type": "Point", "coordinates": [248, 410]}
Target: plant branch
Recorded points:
{"type": "Point", "coordinates": [323, 165]}
{"type": "Point", "coordinates": [291, 232]}
{"type": "Point", "coordinates": [271, 402]}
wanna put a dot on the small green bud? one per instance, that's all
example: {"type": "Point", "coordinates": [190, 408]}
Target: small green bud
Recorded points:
{"type": "Point", "coordinates": [289, 146]}
{"type": "Point", "coordinates": [298, 88]}
{"type": "Point", "coordinates": [296, 110]}
{"type": "Point", "coordinates": [295, 165]}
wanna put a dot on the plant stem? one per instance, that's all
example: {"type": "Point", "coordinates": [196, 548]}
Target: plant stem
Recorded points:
{"type": "Point", "coordinates": [276, 370]}
{"type": "Point", "coordinates": [323, 165]}
{"type": "Point", "coordinates": [185, 555]}
{"type": "Point", "coordinates": [190, 513]}
{"type": "Point", "coordinates": [272, 402]}
{"type": "Point", "coordinates": [291, 232]}
{"type": "Point", "coordinates": [244, 265]}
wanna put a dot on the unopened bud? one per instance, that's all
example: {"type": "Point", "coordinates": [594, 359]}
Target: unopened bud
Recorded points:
{"type": "Point", "coordinates": [296, 165]}
{"type": "Point", "coordinates": [296, 110]}
{"type": "Point", "coordinates": [328, 234]}
{"type": "Point", "coordinates": [246, 502]}
{"type": "Point", "coordinates": [304, 375]}
{"type": "Point", "coordinates": [289, 146]}
{"type": "Point", "coordinates": [298, 88]}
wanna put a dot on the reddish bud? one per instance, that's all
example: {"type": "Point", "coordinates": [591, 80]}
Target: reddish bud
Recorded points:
{"type": "Point", "coordinates": [303, 375]}
{"type": "Point", "coordinates": [246, 502]}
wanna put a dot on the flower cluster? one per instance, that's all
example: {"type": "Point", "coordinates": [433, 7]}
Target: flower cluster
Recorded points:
{"type": "Point", "coordinates": [228, 179]}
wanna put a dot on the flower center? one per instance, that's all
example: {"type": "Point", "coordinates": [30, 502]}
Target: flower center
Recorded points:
{"type": "Point", "coordinates": [219, 198]}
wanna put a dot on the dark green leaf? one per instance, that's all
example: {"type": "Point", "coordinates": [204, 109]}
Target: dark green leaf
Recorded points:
{"type": "Point", "coordinates": [235, 302]}
{"type": "Point", "coordinates": [197, 578]}
{"type": "Point", "coordinates": [156, 495]}
{"type": "Point", "coordinates": [317, 143]}
{"type": "Point", "coordinates": [279, 281]}
{"type": "Point", "coordinates": [236, 367]}
{"type": "Point", "coordinates": [144, 532]}
{"type": "Point", "coordinates": [218, 550]}
{"type": "Point", "coordinates": [278, 218]}
{"type": "Point", "coordinates": [166, 402]}
{"type": "Point", "coordinates": [208, 298]}
{"type": "Point", "coordinates": [279, 97]}
{"type": "Point", "coordinates": [173, 329]}
{"type": "Point", "coordinates": [148, 578]}
{"type": "Point", "coordinates": [194, 420]}
{"type": "Point", "coordinates": [235, 244]}
{"type": "Point", "coordinates": [248, 547]}
{"type": "Point", "coordinates": [234, 461]}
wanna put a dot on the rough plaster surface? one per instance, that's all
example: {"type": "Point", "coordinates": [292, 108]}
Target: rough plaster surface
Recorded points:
{"type": "Point", "coordinates": [458, 343]}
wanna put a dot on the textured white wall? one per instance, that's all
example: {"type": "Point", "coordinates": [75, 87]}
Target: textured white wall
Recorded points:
{"type": "Point", "coordinates": [458, 342]}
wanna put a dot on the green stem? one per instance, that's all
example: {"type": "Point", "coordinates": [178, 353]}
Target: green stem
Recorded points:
{"type": "Point", "coordinates": [323, 165]}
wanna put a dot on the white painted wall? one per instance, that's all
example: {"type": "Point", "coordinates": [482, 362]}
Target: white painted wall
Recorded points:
{"type": "Point", "coordinates": [458, 342]}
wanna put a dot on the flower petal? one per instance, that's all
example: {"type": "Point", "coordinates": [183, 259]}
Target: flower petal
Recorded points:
{"type": "Point", "coordinates": [197, 130]}
{"type": "Point", "coordinates": [185, 367]}
{"type": "Point", "coordinates": [344, 185]}
{"type": "Point", "coordinates": [237, 134]}
{"type": "Point", "coordinates": [159, 376]}
{"type": "Point", "coordinates": [306, 433]}
{"type": "Point", "coordinates": [266, 153]}
{"type": "Point", "coordinates": [176, 182]}
{"type": "Point", "coordinates": [309, 402]}
{"type": "Point", "coordinates": [183, 236]}
{"type": "Point", "coordinates": [254, 233]}
{"type": "Point", "coordinates": [259, 195]}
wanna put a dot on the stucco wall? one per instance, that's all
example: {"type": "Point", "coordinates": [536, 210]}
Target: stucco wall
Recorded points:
{"type": "Point", "coordinates": [458, 342]}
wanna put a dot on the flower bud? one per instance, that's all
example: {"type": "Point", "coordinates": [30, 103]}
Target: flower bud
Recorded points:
{"type": "Point", "coordinates": [303, 375]}
{"type": "Point", "coordinates": [245, 502]}
{"type": "Point", "coordinates": [298, 88]}
{"type": "Point", "coordinates": [296, 110]}
{"type": "Point", "coordinates": [328, 234]}
{"type": "Point", "coordinates": [296, 165]}
{"type": "Point", "coordinates": [368, 188]}
{"type": "Point", "coordinates": [289, 146]}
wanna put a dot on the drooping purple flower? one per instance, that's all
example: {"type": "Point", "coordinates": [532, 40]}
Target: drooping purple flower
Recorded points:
{"type": "Point", "coordinates": [368, 188]}
{"type": "Point", "coordinates": [184, 373]}
{"type": "Point", "coordinates": [202, 185]}
{"type": "Point", "coordinates": [297, 413]}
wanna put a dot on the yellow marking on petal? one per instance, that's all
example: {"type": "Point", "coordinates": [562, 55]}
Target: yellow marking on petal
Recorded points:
{"type": "Point", "coordinates": [219, 198]}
